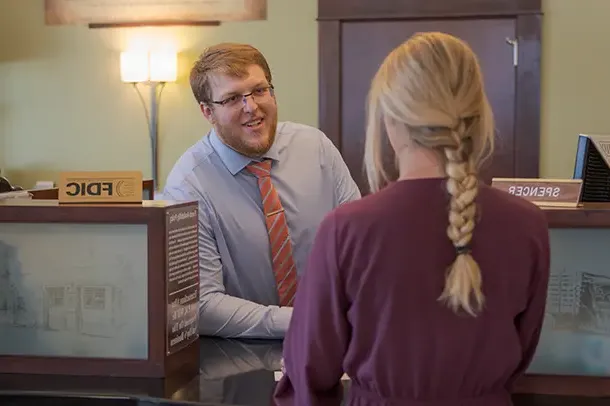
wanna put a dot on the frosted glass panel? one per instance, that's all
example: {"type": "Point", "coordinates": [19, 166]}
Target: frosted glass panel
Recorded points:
{"type": "Point", "coordinates": [576, 336]}
{"type": "Point", "coordinates": [74, 290]}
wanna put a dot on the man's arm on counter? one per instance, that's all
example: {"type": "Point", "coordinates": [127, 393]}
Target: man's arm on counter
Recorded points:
{"type": "Point", "coordinates": [220, 314]}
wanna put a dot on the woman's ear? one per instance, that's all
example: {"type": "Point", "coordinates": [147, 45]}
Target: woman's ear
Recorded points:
{"type": "Point", "coordinates": [397, 134]}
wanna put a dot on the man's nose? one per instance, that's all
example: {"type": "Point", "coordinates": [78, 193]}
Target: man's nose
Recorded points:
{"type": "Point", "coordinates": [249, 103]}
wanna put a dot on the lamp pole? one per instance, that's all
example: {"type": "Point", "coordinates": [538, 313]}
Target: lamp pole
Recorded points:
{"type": "Point", "coordinates": [153, 128]}
{"type": "Point", "coordinates": [152, 115]}
{"type": "Point", "coordinates": [152, 69]}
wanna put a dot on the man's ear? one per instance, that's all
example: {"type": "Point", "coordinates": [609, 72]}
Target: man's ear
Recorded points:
{"type": "Point", "coordinates": [208, 113]}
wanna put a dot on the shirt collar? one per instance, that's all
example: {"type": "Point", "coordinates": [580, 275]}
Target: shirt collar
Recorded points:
{"type": "Point", "coordinates": [233, 160]}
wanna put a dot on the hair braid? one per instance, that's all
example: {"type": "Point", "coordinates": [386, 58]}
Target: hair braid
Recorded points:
{"type": "Point", "coordinates": [463, 281]}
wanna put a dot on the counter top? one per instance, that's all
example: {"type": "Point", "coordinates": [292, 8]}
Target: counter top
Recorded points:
{"type": "Point", "coordinates": [232, 372]}
{"type": "Point", "coordinates": [31, 203]}
{"type": "Point", "coordinates": [51, 211]}
{"type": "Point", "coordinates": [589, 215]}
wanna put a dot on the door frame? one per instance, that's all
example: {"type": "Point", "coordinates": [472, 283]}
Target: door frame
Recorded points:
{"type": "Point", "coordinates": [527, 14]}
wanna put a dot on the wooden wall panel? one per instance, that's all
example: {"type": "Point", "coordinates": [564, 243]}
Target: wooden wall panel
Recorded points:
{"type": "Point", "coordinates": [329, 61]}
{"type": "Point", "coordinates": [376, 39]}
{"type": "Point", "coordinates": [403, 9]}
{"type": "Point", "coordinates": [527, 118]}
{"type": "Point", "coordinates": [343, 74]}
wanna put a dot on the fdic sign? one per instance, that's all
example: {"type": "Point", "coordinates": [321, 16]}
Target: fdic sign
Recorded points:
{"type": "Point", "coordinates": [100, 187]}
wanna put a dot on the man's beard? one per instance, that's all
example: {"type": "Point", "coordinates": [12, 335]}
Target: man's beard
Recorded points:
{"type": "Point", "coordinates": [237, 139]}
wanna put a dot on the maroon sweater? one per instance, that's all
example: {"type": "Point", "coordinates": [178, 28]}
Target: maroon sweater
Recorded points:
{"type": "Point", "coordinates": [367, 303]}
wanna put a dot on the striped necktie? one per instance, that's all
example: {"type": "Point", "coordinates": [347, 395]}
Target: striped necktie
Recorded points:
{"type": "Point", "coordinates": [277, 230]}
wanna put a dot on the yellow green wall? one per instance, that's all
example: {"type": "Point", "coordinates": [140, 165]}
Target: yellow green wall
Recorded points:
{"type": "Point", "coordinates": [63, 106]}
{"type": "Point", "coordinates": [575, 79]}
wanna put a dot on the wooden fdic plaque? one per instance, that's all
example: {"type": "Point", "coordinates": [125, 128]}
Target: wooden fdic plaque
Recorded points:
{"type": "Point", "coordinates": [98, 289]}
{"type": "Point", "coordinates": [59, 12]}
{"type": "Point", "coordinates": [101, 187]}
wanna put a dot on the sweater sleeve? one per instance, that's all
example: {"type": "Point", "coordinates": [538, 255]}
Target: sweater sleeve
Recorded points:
{"type": "Point", "coordinates": [319, 331]}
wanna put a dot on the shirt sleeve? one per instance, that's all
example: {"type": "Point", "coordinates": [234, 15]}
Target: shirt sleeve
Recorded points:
{"type": "Point", "coordinates": [529, 322]}
{"type": "Point", "coordinates": [227, 358]}
{"type": "Point", "coordinates": [346, 189]}
{"type": "Point", "coordinates": [319, 331]}
{"type": "Point", "coordinates": [220, 314]}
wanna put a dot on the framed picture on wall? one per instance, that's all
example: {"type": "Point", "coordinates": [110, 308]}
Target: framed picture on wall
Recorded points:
{"type": "Point", "coordinates": [152, 12]}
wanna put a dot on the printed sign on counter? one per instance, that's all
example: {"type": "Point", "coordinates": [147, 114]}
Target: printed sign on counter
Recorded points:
{"type": "Point", "coordinates": [542, 192]}
{"type": "Point", "coordinates": [182, 278]}
{"type": "Point", "coordinates": [100, 187]}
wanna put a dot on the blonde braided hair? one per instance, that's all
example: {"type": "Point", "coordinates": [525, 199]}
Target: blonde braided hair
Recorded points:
{"type": "Point", "coordinates": [433, 86]}
{"type": "Point", "coordinates": [464, 276]}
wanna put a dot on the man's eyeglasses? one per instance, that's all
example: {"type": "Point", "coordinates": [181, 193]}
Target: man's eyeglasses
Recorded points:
{"type": "Point", "coordinates": [259, 94]}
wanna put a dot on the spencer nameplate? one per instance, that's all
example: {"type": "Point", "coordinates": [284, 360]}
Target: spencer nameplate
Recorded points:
{"type": "Point", "coordinates": [100, 187]}
{"type": "Point", "coordinates": [543, 192]}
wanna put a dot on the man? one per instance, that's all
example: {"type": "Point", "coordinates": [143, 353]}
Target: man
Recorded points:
{"type": "Point", "coordinates": [262, 186]}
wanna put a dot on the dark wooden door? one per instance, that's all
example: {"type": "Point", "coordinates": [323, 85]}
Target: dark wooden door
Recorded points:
{"type": "Point", "coordinates": [364, 45]}
{"type": "Point", "coordinates": [355, 36]}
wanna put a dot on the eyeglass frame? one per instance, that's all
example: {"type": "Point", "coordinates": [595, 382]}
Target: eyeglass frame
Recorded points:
{"type": "Point", "coordinates": [224, 102]}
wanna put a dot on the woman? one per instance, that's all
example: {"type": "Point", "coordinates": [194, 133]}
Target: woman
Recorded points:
{"type": "Point", "coordinates": [431, 291]}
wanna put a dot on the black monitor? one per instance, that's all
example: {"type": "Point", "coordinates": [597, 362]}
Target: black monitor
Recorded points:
{"type": "Point", "coordinates": [593, 167]}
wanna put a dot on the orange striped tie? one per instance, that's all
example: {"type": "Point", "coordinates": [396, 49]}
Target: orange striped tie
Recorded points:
{"type": "Point", "coordinates": [277, 228]}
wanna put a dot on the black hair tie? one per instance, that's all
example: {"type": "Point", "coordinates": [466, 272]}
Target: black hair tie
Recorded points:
{"type": "Point", "coordinates": [465, 249]}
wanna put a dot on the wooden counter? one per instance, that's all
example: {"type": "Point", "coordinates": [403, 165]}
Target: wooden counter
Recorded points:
{"type": "Point", "coordinates": [580, 228]}
{"type": "Point", "coordinates": [591, 215]}
{"type": "Point", "coordinates": [101, 290]}
{"type": "Point", "coordinates": [572, 357]}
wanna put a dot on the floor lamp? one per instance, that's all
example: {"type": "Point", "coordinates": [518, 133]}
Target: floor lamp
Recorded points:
{"type": "Point", "coordinates": [154, 70]}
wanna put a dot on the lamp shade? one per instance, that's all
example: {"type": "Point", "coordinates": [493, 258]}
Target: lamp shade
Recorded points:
{"type": "Point", "coordinates": [163, 66]}
{"type": "Point", "coordinates": [134, 66]}
{"type": "Point", "coordinates": [149, 66]}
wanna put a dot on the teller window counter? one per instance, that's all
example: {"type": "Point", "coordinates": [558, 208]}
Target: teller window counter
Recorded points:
{"type": "Point", "coordinates": [233, 372]}
{"type": "Point", "coordinates": [573, 356]}
{"type": "Point", "coordinates": [96, 290]}
{"type": "Point", "coordinates": [96, 277]}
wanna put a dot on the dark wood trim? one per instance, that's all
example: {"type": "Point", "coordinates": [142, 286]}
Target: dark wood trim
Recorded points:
{"type": "Point", "coordinates": [329, 44]}
{"type": "Point", "coordinates": [80, 366]}
{"type": "Point", "coordinates": [148, 186]}
{"type": "Point", "coordinates": [527, 97]}
{"type": "Point", "coordinates": [415, 9]}
{"type": "Point", "coordinates": [71, 384]}
{"type": "Point", "coordinates": [564, 385]}
{"type": "Point", "coordinates": [155, 24]}
{"type": "Point", "coordinates": [592, 215]}
{"type": "Point", "coordinates": [157, 307]}
{"type": "Point", "coordinates": [44, 194]}
{"type": "Point", "coordinates": [124, 214]}
{"type": "Point", "coordinates": [184, 363]}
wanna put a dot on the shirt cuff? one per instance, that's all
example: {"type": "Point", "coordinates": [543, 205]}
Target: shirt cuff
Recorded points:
{"type": "Point", "coordinates": [280, 320]}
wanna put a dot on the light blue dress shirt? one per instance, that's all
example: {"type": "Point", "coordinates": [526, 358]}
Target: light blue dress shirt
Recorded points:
{"type": "Point", "coordinates": [238, 291]}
